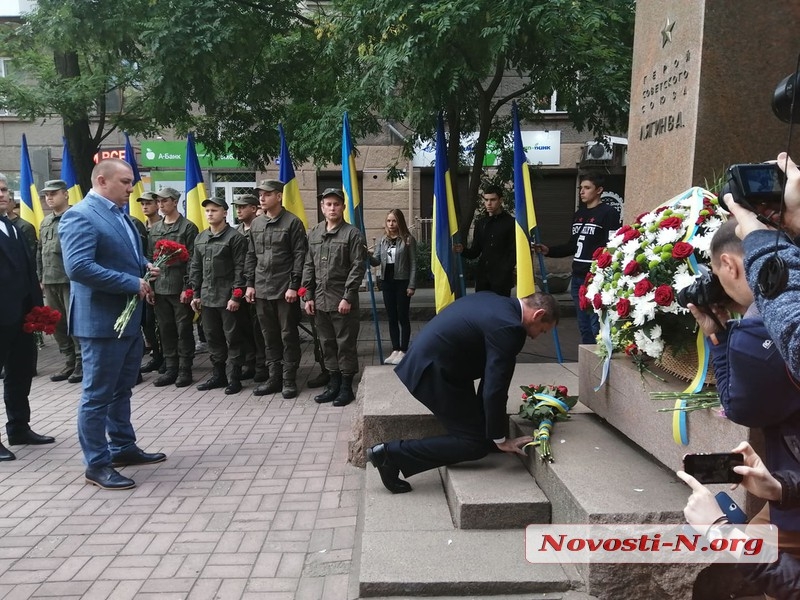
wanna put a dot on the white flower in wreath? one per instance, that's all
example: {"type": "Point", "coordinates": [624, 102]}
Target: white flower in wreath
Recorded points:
{"type": "Point", "coordinates": [667, 236]}
{"type": "Point", "coordinates": [651, 345]}
{"type": "Point", "coordinates": [644, 309]}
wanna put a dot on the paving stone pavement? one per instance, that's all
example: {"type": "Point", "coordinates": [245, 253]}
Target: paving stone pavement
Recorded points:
{"type": "Point", "coordinates": [255, 500]}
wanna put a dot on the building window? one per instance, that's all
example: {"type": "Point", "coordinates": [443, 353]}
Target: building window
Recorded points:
{"type": "Point", "coordinates": [550, 104]}
{"type": "Point", "coordinates": [6, 68]}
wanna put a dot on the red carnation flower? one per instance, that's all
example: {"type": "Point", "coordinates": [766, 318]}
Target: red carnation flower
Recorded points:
{"type": "Point", "coordinates": [631, 350]}
{"type": "Point", "coordinates": [670, 222]}
{"type": "Point", "coordinates": [189, 293]}
{"type": "Point", "coordinates": [604, 260]}
{"type": "Point", "coordinates": [28, 327]}
{"type": "Point", "coordinates": [582, 292]}
{"type": "Point", "coordinates": [623, 307]}
{"type": "Point", "coordinates": [631, 268]}
{"type": "Point", "coordinates": [664, 295]}
{"type": "Point", "coordinates": [170, 252]}
{"type": "Point", "coordinates": [238, 293]}
{"type": "Point", "coordinates": [682, 250]}
{"type": "Point", "coordinates": [641, 288]}
{"type": "Point", "coordinates": [302, 292]}
{"type": "Point", "coordinates": [50, 329]}
{"type": "Point", "coordinates": [597, 302]}
{"type": "Point", "coordinates": [562, 389]}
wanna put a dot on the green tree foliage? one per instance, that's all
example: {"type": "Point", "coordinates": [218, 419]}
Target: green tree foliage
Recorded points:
{"type": "Point", "coordinates": [471, 58]}
{"type": "Point", "coordinates": [231, 70]}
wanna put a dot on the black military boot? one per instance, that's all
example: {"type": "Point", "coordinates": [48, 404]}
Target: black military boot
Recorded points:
{"type": "Point", "coordinates": [249, 371]}
{"type": "Point", "coordinates": [274, 384]}
{"type": "Point", "coordinates": [289, 389]}
{"type": "Point", "coordinates": [168, 378]}
{"type": "Point", "coordinates": [345, 395]}
{"type": "Point", "coordinates": [331, 390]}
{"type": "Point", "coordinates": [217, 379]}
{"type": "Point", "coordinates": [320, 380]}
{"type": "Point", "coordinates": [184, 378]}
{"type": "Point", "coordinates": [235, 380]}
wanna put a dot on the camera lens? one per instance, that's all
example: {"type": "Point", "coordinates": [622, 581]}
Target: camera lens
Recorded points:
{"type": "Point", "coordinates": [782, 99]}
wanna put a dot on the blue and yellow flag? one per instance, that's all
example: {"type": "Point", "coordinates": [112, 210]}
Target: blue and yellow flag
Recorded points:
{"type": "Point", "coordinates": [445, 226]}
{"type": "Point", "coordinates": [353, 210]}
{"type": "Point", "coordinates": [195, 188]}
{"type": "Point", "coordinates": [68, 175]}
{"type": "Point", "coordinates": [30, 207]}
{"type": "Point", "coordinates": [134, 208]}
{"type": "Point", "coordinates": [525, 215]}
{"type": "Point", "coordinates": [291, 191]}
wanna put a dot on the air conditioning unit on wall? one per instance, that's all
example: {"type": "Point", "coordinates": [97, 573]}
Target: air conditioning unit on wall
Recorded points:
{"type": "Point", "coordinates": [598, 151]}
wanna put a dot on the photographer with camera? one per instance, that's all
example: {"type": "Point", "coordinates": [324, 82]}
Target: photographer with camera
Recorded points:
{"type": "Point", "coordinates": [772, 263]}
{"type": "Point", "coordinates": [740, 348]}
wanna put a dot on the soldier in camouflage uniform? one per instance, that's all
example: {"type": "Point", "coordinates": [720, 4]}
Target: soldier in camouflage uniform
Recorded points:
{"type": "Point", "coordinates": [273, 271]}
{"type": "Point", "coordinates": [55, 283]}
{"type": "Point", "coordinates": [254, 348]}
{"type": "Point", "coordinates": [173, 314]}
{"type": "Point", "coordinates": [217, 280]}
{"type": "Point", "coordinates": [335, 265]}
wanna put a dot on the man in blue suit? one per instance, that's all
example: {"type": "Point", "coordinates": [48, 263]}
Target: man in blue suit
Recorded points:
{"type": "Point", "coordinates": [104, 260]}
{"type": "Point", "coordinates": [19, 292]}
{"type": "Point", "coordinates": [476, 337]}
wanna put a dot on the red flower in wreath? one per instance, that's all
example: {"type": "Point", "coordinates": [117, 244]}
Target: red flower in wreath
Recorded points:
{"type": "Point", "coordinates": [597, 301]}
{"type": "Point", "coordinates": [664, 295]}
{"type": "Point", "coordinates": [631, 268]}
{"type": "Point", "coordinates": [641, 288]}
{"type": "Point", "coordinates": [604, 260]}
{"type": "Point", "coordinates": [631, 234]}
{"type": "Point", "coordinates": [682, 250]}
{"type": "Point", "coordinates": [671, 222]}
{"type": "Point", "coordinates": [596, 254]}
{"type": "Point", "coordinates": [623, 307]}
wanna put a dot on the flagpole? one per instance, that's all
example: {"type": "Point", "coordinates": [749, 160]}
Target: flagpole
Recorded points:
{"type": "Point", "coordinates": [546, 290]}
{"type": "Point", "coordinates": [355, 210]}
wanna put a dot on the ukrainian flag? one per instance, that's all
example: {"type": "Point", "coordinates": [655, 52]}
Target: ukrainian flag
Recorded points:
{"type": "Point", "coordinates": [195, 188]}
{"type": "Point", "coordinates": [354, 211]}
{"type": "Point", "coordinates": [445, 226]}
{"type": "Point", "coordinates": [291, 191]}
{"type": "Point", "coordinates": [68, 175]}
{"type": "Point", "coordinates": [525, 215]}
{"type": "Point", "coordinates": [134, 208]}
{"type": "Point", "coordinates": [30, 207]}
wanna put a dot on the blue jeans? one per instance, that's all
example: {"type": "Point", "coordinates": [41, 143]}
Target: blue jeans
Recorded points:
{"type": "Point", "coordinates": [588, 322]}
{"type": "Point", "coordinates": [110, 370]}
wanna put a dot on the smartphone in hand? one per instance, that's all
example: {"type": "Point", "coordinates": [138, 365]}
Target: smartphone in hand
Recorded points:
{"type": "Point", "coordinates": [714, 467]}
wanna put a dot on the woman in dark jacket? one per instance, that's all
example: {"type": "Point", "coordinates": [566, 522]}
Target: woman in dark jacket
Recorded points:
{"type": "Point", "coordinates": [396, 253]}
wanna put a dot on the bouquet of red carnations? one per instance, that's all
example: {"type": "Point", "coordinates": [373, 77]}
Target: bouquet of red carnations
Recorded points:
{"type": "Point", "coordinates": [166, 252]}
{"type": "Point", "coordinates": [545, 405]}
{"type": "Point", "coordinates": [41, 319]}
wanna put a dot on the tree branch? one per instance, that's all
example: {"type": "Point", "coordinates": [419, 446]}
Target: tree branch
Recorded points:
{"type": "Point", "coordinates": [272, 10]}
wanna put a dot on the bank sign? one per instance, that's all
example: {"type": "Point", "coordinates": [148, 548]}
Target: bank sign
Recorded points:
{"type": "Point", "coordinates": [157, 153]}
{"type": "Point", "coordinates": [541, 148]}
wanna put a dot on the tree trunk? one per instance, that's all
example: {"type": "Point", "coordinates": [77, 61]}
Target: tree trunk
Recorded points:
{"type": "Point", "coordinates": [82, 144]}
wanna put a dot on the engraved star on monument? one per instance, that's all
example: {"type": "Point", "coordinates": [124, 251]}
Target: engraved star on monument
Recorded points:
{"type": "Point", "coordinates": [666, 33]}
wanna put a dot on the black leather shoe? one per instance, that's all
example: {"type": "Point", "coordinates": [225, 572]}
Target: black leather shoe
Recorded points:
{"type": "Point", "coordinates": [168, 378]}
{"type": "Point", "coordinates": [108, 479]}
{"type": "Point", "coordinates": [248, 373]}
{"type": "Point", "coordinates": [390, 475]}
{"type": "Point", "coordinates": [260, 376]}
{"type": "Point", "coordinates": [154, 364]}
{"type": "Point", "coordinates": [234, 387]}
{"type": "Point", "coordinates": [137, 456]}
{"type": "Point", "coordinates": [6, 454]}
{"type": "Point", "coordinates": [184, 378]}
{"type": "Point", "coordinates": [29, 437]}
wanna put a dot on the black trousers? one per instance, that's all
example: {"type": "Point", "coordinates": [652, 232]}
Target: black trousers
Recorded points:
{"type": "Point", "coordinates": [17, 351]}
{"type": "Point", "coordinates": [397, 302]}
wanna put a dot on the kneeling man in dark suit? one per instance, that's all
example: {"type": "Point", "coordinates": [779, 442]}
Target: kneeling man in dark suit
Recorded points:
{"type": "Point", "coordinates": [476, 337]}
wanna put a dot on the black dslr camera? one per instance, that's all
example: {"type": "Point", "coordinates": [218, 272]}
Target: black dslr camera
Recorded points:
{"type": "Point", "coordinates": [704, 292]}
{"type": "Point", "coordinates": [753, 186]}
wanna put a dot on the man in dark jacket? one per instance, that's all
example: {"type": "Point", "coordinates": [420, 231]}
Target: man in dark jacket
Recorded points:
{"type": "Point", "coordinates": [493, 244]}
{"type": "Point", "coordinates": [476, 337]}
